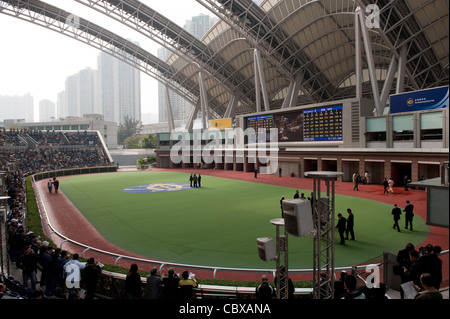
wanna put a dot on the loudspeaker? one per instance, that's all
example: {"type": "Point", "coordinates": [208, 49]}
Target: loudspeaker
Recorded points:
{"type": "Point", "coordinates": [298, 219]}
{"type": "Point", "coordinates": [266, 248]}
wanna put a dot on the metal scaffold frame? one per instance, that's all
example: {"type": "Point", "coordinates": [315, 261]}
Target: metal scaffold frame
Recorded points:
{"type": "Point", "coordinates": [323, 218]}
{"type": "Point", "coordinates": [282, 272]}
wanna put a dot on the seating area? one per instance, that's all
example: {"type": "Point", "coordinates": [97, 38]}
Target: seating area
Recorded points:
{"type": "Point", "coordinates": [42, 138]}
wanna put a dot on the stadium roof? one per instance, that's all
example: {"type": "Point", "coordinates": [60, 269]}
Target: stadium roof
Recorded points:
{"type": "Point", "coordinates": [281, 53]}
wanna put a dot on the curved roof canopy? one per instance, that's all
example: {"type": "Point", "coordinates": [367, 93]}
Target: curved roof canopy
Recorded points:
{"type": "Point", "coordinates": [307, 51]}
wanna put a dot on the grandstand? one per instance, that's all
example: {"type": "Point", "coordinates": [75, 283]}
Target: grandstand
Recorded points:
{"type": "Point", "coordinates": [349, 86]}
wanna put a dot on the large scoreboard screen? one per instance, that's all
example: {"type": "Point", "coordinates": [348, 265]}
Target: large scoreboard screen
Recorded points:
{"type": "Point", "coordinates": [307, 125]}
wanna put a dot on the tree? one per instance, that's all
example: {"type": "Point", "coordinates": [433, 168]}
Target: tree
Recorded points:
{"type": "Point", "coordinates": [149, 141]}
{"type": "Point", "coordinates": [133, 142]}
{"type": "Point", "coordinates": [127, 128]}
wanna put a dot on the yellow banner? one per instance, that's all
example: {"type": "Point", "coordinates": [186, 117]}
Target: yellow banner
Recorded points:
{"type": "Point", "coordinates": [221, 124]}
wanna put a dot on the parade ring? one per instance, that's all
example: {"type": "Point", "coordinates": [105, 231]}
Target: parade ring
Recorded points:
{"type": "Point", "coordinates": [218, 223]}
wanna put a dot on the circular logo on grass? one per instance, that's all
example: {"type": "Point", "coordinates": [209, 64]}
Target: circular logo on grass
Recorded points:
{"type": "Point", "coordinates": [157, 188]}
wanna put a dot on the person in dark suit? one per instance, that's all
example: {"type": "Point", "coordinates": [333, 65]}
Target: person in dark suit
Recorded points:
{"type": "Point", "coordinates": [191, 179]}
{"type": "Point", "coordinates": [409, 214]}
{"type": "Point", "coordinates": [350, 224]}
{"type": "Point", "coordinates": [56, 184]}
{"type": "Point", "coordinates": [396, 212]}
{"type": "Point", "coordinates": [406, 180]}
{"type": "Point", "coordinates": [297, 195]}
{"type": "Point", "coordinates": [281, 204]}
{"type": "Point", "coordinates": [385, 185]}
{"type": "Point", "coordinates": [195, 180]}
{"type": "Point", "coordinates": [341, 226]}
{"type": "Point", "coordinates": [199, 180]}
{"type": "Point", "coordinates": [170, 285]}
{"type": "Point", "coordinates": [404, 261]}
{"type": "Point", "coordinates": [415, 269]}
{"type": "Point", "coordinates": [265, 291]}
{"type": "Point", "coordinates": [433, 265]}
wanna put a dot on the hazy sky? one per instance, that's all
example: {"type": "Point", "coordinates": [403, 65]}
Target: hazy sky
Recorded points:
{"type": "Point", "coordinates": [36, 60]}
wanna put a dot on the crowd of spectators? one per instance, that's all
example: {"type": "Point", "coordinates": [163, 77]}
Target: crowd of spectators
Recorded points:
{"type": "Point", "coordinates": [422, 268]}
{"type": "Point", "coordinates": [48, 138]}
{"type": "Point", "coordinates": [11, 139]}
{"type": "Point", "coordinates": [33, 160]}
{"type": "Point", "coordinates": [83, 139]}
{"type": "Point", "coordinates": [24, 247]}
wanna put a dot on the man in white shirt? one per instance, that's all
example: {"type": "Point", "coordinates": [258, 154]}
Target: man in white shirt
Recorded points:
{"type": "Point", "coordinates": [73, 272]}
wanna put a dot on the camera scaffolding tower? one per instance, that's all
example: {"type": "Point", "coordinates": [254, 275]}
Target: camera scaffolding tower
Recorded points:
{"type": "Point", "coordinates": [323, 218]}
{"type": "Point", "coordinates": [282, 275]}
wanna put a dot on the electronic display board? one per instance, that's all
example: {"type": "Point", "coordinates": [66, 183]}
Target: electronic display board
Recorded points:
{"type": "Point", "coordinates": [307, 125]}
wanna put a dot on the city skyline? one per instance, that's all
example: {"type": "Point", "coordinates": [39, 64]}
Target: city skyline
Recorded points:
{"type": "Point", "coordinates": [37, 61]}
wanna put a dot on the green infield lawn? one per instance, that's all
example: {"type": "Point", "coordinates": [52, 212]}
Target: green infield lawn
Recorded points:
{"type": "Point", "coordinates": [217, 224]}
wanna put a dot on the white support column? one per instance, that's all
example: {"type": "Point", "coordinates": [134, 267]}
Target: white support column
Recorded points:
{"type": "Point", "coordinates": [190, 123]}
{"type": "Point", "coordinates": [203, 101]}
{"type": "Point", "coordinates": [257, 84]}
{"type": "Point", "coordinates": [388, 81]}
{"type": "Point", "coordinates": [287, 98]}
{"type": "Point", "coordinates": [230, 111]}
{"type": "Point", "coordinates": [260, 82]}
{"type": "Point", "coordinates": [170, 120]}
{"type": "Point", "coordinates": [370, 61]}
{"type": "Point", "coordinates": [358, 54]}
{"type": "Point", "coordinates": [401, 69]}
{"type": "Point", "coordinates": [296, 88]}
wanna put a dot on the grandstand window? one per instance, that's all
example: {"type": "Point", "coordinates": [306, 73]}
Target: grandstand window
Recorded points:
{"type": "Point", "coordinates": [84, 127]}
{"type": "Point", "coordinates": [403, 135]}
{"type": "Point", "coordinates": [66, 127]}
{"type": "Point", "coordinates": [164, 137]}
{"type": "Point", "coordinates": [432, 134]}
{"type": "Point", "coordinates": [74, 127]}
{"type": "Point", "coordinates": [376, 124]}
{"type": "Point", "coordinates": [49, 128]}
{"type": "Point", "coordinates": [431, 126]}
{"type": "Point", "coordinates": [403, 127]}
{"type": "Point", "coordinates": [376, 137]}
{"type": "Point", "coordinates": [376, 129]}
{"type": "Point", "coordinates": [431, 120]}
{"type": "Point", "coordinates": [57, 127]}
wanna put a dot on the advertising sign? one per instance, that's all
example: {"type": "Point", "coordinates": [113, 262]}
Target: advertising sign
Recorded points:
{"type": "Point", "coordinates": [430, 99]}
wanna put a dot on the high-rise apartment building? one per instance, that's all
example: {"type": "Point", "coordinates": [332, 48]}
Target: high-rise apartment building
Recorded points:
{"type": "Point", "coordinates": [47, 110]}
{"type": "Point", "coordinates": [120, 87]}
{"type": "Point", "coordinates": [181, 109]}
{"type": "Point", "coordinates": [113, 90]}
{"type": "Point", "coordinates": [17, 107]}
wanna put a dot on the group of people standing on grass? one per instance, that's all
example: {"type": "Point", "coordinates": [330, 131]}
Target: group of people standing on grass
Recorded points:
{"type": "Point", "coordinates": [409, 215]}
{"type": "Point", "coordinates": [195, 181]}
{"type": "Point", "coordinates": [345, 226]}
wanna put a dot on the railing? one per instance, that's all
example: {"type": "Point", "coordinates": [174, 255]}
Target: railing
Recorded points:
{"type": "Point", "coordinates": [357, 270]}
